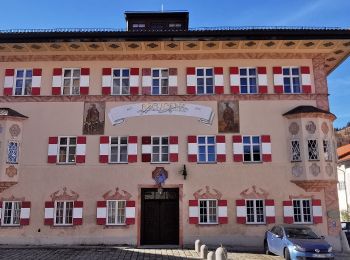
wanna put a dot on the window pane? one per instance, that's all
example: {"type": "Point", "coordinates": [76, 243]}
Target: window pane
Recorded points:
{"type": "Point", "coordinates": [295, 71]}
{"type": "Point", "coordinates": [285, 71]}
{"type": "Point", "coordinates": [67, 73]}
{"type": "Point", "coordinates": [19, 73]}
{"type": "Point", "coordinates": [126, 73]}
{"type": "Point", "coordinates": [116, 73]}
{"type": "Point", "coordinates": [243, 72]}
{"type": "Point", "coordinates": [211, 140]}
{"type": "Point", "coordinates": [155, 73]}
{"type": "Point", "coordinates": [209, 72]}
{"type": "Point", "coordinates": [76, 73]}
{"type": "Point", "coordinates": [200, 72]}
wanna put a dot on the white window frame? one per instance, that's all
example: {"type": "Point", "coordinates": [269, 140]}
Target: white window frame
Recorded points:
{"type": "Point", "coordinates": [293, 153]}
{"type": "Point", "coordinates": [204, 80]}
{"type": "Point", "coordinates": [120, 78]}
{"type": "Point", "coordinates": [327, 150]}
{"type": "Point", "coordinates": [316, 149]}
{"type": "Point", "coordinates": [67, 149]}
{"type": "Point", "coordinates": [119, 145]}
{"type": "Point", "coordinates": [12, 217]}
{"type": "Point", "coordinates": [8, 151]}
{"type": "Point", "coordinates": [248, 77]}
{"type": "Point", "coordinates": [255, 215]}
{"type": "Point", "coordinates": [208, 212]}
{"type": "Point", "coordinates": [116, 213]}
{"type": "Point", "coordinates": [161, 145]}
{"type": "Point", "coordinates": [24, 78]}
{"type": "Point", "coordinates": [64, 213]}
{"type": "Point", "coordinates": [302, 212]}
{"type": "Point", "coordinates": [251, 148]}
{"type": "Point", "coordinates": [71, 78]}
{"type": "Point", "coordinates": [206, 144]}
{"type": "Point", "coordinates": [291, 76]}
{"type": "Point", "coordinates": [160, 78]}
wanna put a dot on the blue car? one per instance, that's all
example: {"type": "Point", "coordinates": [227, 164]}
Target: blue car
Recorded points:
{"type": "Point", "coordinates": [296, 242]}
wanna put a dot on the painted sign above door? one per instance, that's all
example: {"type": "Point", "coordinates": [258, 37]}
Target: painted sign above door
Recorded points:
{"type": "Point", "coordinates": [119, 114]}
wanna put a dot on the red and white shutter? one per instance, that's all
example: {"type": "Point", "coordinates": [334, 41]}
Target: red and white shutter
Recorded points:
{"type": "Point", "coordinates": [219, 80]}
{"type": "Point", "coordinates": [101, 213]}
{"type": "Point", "coordinates": [36, 82]}
{"type": "Point", "coordinates": [237, 148]}
{"type": "Point", "coordinates": [53, 149]}
{"type": "Point", "coordinates": [25, 213]}
{"type": "Point", "coordinates": [57, 81]}
{"type": "Point", "coordinates": [193, 212]}
{"type": "Point", "coordinates": [241, 211]}
{"type": "Point", "coordinates": [146, 81]}
{"type": "Point", "coordinates": [84, 81]}
{"type": "Point", "coordinates": [220, 148]}
{"type": "Point", "coordinates": [130, 212]}
{"type": "Point", "coordinates": [270, 211]}
{"type": "Point", "coordinates": [192, 148]}
{"type": "Point", "coordinates": [81, 149]}
{"type": "Point", "coordinates": [172, 81]}
{"type": "Point", "coordinates": [266, 148]}
{"type": "Point", "coordinates": [173, 148]}
{"type": "Point", "coordinates": [9, 82]}
{"type": "Point", "coordinates": [262, 80]}
{"type": "Point", "coordinates": [234, 80]}
{"type": "Point", "coordinates": [78, 213]}
{"type": "Point", "coordinates": [134, 81]}
{"type": "Point", "coordinates": [288, 216]}
{"type": "Point", "coordinates": [146, 149]}
{"type": "Point", "coordinates": [132, 149]}
{"type": "Point", "coordinates": [317, 211]}
{"type": "Point", "coordinates": [191, 81]}
{"type": "Point", "coordinates": [104, 149]}
{"type": "Point", "coordinates": [222, 212]}
{"type": "Point", "coordinates": [277, 80]}
{"type": "Point", "coordinates": [49, 212]}
{"type": "Point", "coordinates": [305, 79]}
{"type": "Point", "coordinates": [106, 81]}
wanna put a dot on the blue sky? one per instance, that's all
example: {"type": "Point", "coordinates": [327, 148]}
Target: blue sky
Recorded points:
{"type": "Point", "coordinates": [19, 14]}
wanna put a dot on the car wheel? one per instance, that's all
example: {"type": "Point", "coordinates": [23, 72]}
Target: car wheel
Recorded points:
{"type": "Point", "coordinates": [286, 254]}
{"type": "Point", "coordinates": [266, 248]}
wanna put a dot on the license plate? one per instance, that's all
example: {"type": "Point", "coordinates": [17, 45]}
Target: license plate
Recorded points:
{"type": "Point", "coordinates": [321, 255]}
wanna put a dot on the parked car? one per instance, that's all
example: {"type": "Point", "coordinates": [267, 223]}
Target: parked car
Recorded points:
{"type": "Point", "coordinates": [296, 242]}
{"type": "Point", "coordinates": [345, 226]}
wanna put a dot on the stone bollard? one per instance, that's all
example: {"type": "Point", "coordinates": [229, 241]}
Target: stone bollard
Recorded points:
{"type": "Point", "coordinates": [211, 256]}
{"type": "Point", "coordinates": [204, 252]}
{"type": "Point", "coordinates": [220, 253]}
{"type": "Point", "coordinates": [197, 246]}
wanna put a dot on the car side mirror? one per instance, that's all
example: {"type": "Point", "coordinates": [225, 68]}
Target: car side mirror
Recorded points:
{"type": "Point", "coordinates": [322, 237]}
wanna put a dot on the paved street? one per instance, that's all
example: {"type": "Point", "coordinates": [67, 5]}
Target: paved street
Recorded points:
{"type": "Point", "coordinates": [107, 253]}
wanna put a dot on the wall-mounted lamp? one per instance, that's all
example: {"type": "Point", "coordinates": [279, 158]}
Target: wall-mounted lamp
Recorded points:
{"type": "Point", "coordinates": [184, 172]}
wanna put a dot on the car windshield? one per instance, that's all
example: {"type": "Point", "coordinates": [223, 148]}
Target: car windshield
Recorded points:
{"type": "Point", "coordinates": [302, 233]}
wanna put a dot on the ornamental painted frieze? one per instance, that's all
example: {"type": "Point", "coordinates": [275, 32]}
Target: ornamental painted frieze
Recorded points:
{"type": "Point", "coordinates": [315, 169]}
{"type": "Point", "coordinates": [297, 170]}
{"type": "Point", "coordinates": [15, 130]}
{"type": "Point", "coordinates": [254, 193]}
{"type": "Point", "coordinates": [200, 194]}
{"type": "Point", "coordinates": [294, 128]}
{"type": "Point", "coordinates": [124, 195]}
{"type": "Point", "coordinates": [301, 196]}
{"type": "Point", "coordinates": [12, 198]}
{"type": "Point", "coordinates": [310, 127]}
{"type": "Point", "coordinates": [64, 195]}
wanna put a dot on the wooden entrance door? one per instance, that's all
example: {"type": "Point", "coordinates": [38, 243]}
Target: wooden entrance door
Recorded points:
{"type": "Point", "coordinates": [160, 217]}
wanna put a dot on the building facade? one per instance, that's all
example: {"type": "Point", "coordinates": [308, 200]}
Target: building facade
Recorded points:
{"type": "Point", "coordinates": [343, 169]}
{"type": "Point", "coordinates": [162, 135]}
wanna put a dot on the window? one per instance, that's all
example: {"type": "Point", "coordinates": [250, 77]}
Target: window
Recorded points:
{"type": "Point", "coordinates": [11, 213]}
{"type": "Point", "coordinates": [63, 212]}
{"type": "Point", "coordinates": [116, 212]}
{"type": "Point", "coordinates": [205, 80]}
{"type": "Point", "coordinates": [295, 151]}
{"type": "Point", "coordinates": [291, 80]}
{"type": "Point", "coordinates": [302, 211]}
{"type": "Point", "coordinates": [208, 211]}
{"type": "Point", "coordinates": [327, 151]}
{"type": "Point", "coordinates": [312, 147]}
{"type": "Point", "coordinates": [23, 82]}
{"type": "Point", "coordinates": [118, 149]}
{"type": "Point", "coordinates": [206, 149]}
{"type": "Point", "coordinates": [248, 80]}
{"type": "Point", "coordinates": [160, 149]}
{"type": "Point", "coordinates": [160, 82]}
{"type": "Point", "coordinates": [67, 149]}
{"type": "Point", "coordinates": [255, 211]}
{"type": "Point", "coordinates": [121, 81]}
{"type": "Point", "coordinates": [251, 149]}
{"type": "Point", "coordinates": [71, 81]}
{"type": "Point", "coordinates": [12, 152]}
{"type": "Point", "coordinates": [341, 185]}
